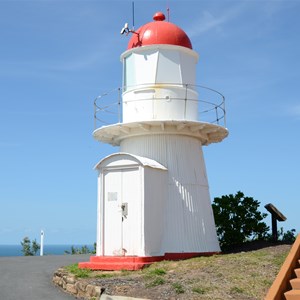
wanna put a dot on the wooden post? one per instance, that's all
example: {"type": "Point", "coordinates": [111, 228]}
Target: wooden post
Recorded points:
{"type": "Point", "coordinates": [274, 228]}
{"type": "Point", "coordinates": [276, 216]}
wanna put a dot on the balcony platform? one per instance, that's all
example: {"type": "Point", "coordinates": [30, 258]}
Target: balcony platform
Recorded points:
{"type": "Point", "coordinates": [207, 133]}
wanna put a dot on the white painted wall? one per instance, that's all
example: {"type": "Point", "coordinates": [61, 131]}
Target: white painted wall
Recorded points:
{"type": "Point", "coordinates": [156, 195]}
{"type": "Point", "coordinates": [189, 222]}
{"type": "Point", "coordinates": [122, 180]}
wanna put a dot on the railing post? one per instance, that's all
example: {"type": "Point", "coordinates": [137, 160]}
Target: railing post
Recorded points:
{"type": "Point", "coordinates": [216, 108]}
{"type": "Point", "coordinates": [224, 111]}
{"type": "Point", "coordinates": [185, 100]}
{"type": "Point", "coordinates": [119, 105]}
{"type": "Point", "coordinates": [95, 114]}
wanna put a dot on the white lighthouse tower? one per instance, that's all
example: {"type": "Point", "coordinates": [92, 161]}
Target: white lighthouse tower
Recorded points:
{"type": "Point", "coordinates": [153, 195]}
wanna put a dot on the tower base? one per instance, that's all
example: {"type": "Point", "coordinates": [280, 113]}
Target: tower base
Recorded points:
{"type": "Point", "coordinates": [133, 263]}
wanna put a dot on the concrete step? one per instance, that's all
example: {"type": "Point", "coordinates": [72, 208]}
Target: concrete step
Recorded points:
{"type": "Point", "coordinates": [292, 295]}
{"type": "Point", "coordinates": [116, 263]}
{"type": "Point", "coordinates": [295, 283]}
{"type": "Point", "coordinates": [112, 266]}
{"type": "Point", "coordinates": [126, 259]}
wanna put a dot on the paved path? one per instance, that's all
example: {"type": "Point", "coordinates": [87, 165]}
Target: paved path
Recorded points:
{"type": "Point", "coordinates": [30, 278]}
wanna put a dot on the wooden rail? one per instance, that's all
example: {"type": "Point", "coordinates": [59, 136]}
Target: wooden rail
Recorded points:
{"type": "Point", "coordinates": [286, 273]}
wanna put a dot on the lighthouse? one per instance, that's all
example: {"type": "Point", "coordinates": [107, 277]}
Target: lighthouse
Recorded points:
{"type": "Point", "coordinates": [153, 194]}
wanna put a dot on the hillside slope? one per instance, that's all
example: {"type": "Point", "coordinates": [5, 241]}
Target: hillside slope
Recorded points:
{"type": "Point", "coordinates": [243, 276]}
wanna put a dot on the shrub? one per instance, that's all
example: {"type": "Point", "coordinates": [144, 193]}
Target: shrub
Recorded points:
{"type": "Point", "coordinates": [238, 220]}
{"type": "Point", "coordinates": [29, 248]}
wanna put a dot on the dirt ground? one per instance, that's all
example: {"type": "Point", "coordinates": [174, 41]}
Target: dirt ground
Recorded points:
{"type": "Point", "coordinates": [246, 274]}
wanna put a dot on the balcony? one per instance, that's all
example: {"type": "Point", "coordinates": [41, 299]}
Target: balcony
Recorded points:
{"type": "Point", "coordinates": [169, 101]}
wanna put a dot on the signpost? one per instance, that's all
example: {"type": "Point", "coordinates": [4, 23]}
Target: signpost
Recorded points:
{"type": "Point", "coordinates": [276, 216]}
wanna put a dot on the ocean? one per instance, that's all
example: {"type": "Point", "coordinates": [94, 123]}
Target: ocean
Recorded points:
{"type": "Point", "coordinates": [16, 250]}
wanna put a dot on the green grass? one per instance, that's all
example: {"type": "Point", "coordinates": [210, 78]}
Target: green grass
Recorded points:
{"type": "Point", "coordinates": [79, 273]}
{"type": "Point", "coordinates": [178, 288]}
{"type": "Point", "coordinates": [246, 275]}
{"type": "Point", "coordinates": [237, 290]}
{"type": "Point", "coordinates": [156, 271]}
{"type": "Point", "coordinates": [157, 281]}
{"type": "Point", "coordinates": [104, 275]}
{"type": "Point", "coordinates": [199, 290]}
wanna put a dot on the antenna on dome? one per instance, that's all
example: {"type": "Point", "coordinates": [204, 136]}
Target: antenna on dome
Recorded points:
{"type": "Point", "coordinates": [168, 11]}
{"type": "Point", "coordinates": [132, 15]}
{"type": "Point", "coordinates": [126, 28]}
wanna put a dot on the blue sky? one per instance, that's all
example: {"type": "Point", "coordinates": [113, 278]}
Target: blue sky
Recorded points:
{"type": "Point", "coordinates": [57, 56]}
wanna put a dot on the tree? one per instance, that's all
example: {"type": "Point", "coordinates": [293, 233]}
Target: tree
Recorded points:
{"type": "Point", "coordinates": [29, 248]}
{"type": "Point", "coordinates": [83, 250]}
{"type": "Point", "coordinates": [238, 220]}
{"type": "Point", "coordinates": [26, 246]}
{"type": "Point", "coordinates": [286, 237]}
{"type": "Point", "coordinates": [35, 247]}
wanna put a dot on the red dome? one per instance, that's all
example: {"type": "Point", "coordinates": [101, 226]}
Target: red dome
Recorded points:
{"type": "Point", "coordinates": [159, 32]}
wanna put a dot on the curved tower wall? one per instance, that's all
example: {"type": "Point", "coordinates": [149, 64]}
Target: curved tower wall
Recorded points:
{"type": "Point", "coordinates": [188, 218]}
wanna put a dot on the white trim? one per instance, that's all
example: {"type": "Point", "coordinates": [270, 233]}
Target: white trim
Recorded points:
{"type": "Point", "coordinates": [158, 47]}
{"type": "Point", "coordinates": [144, 161]}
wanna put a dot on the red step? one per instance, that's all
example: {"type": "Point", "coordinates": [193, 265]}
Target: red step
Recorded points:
{"type": "Point", "coordinates": [111, 266]}
{"type": "Point", "coordinates": [110, 263]}
{"type": "Point", "coordinates": [126, 259]}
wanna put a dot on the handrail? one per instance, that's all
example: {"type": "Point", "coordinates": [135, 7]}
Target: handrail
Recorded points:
{"type": "Point", "coordinates": [281, 283]}
{"type": "Point", "coordinates": [108, 106]}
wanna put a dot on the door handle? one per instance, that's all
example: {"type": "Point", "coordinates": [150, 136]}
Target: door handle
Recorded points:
{"type": "Point", "coordinates": [124, 208]}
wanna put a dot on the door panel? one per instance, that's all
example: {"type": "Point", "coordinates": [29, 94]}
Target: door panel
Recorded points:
{"type": "Point", "coordinates": [112, 213]}
{"type": "Point", "coordinates": [122, 212]}
{"type": "Point", "coordinates": [132, 199]}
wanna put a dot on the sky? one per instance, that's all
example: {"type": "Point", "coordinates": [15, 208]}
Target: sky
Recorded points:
{"type": "Point", "coordinates": [57, 56]}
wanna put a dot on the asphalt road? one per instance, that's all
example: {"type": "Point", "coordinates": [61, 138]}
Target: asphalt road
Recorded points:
{"type": "Point", "coordinates": [30, 277]}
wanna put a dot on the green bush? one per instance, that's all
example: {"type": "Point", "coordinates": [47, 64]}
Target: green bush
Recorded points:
{"type": "Point", "coordinates": [29, 248]}
{"type": "Point", "coordinates": [238, 220]}
{"type": "Point", "coordinates": [287, 237]}
{"type": "Point", "coordinates": [83, 250]}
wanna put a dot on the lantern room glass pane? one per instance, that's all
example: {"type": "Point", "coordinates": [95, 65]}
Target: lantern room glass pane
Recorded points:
{"type": "Point", "coordinates": [168, 67]}
{"type": "Point", "coordinates": [140, 69]}
{"type": "Point", "coordinates": [129, 74]}
{"type": "Point", "coordinates": [188, 68]}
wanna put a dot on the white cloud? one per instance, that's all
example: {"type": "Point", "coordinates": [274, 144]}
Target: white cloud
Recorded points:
{"type": "Point", "coordinates": [207, 21]}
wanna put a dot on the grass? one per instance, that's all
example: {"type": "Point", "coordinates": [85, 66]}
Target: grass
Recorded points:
{"type": "Point", "coordinates": [79, 273]}
{"type": "Point", "coordinates": [155, 282]}
{"type": "Point", "coordinates": [178, 287]}
{"type": "Point", "coordinates": [244, 275]}
{"type": "Point", "coordinates": [156, 271]}
{"type": "Point", "coordinates": [199, 290]}
{"type": "Point", "coordinates": [153, 277]}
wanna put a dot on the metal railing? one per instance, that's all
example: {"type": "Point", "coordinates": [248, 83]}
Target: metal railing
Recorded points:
{"type": "Point", "coordinates": [211, 103]}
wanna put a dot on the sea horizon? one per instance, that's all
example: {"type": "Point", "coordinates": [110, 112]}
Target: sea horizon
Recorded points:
{"type": "Point", "coordinates": [49, 249]}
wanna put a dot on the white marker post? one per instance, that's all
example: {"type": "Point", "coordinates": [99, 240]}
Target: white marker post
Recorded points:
{"type": "Point", "coordinates": [42, 243]}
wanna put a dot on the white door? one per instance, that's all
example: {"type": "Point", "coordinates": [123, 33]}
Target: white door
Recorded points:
{"type": "Point", "coordinates": [122, 212]}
